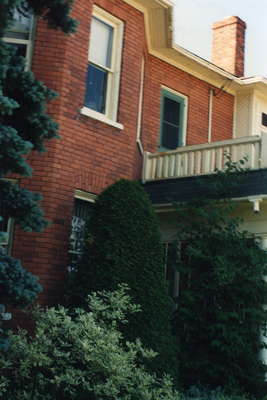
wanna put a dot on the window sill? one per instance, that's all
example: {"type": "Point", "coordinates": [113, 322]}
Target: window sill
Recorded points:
{"type": "Point", "coordinates": [100, 117]}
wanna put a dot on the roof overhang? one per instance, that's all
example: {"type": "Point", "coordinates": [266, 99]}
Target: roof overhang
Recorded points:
{"type": "Point", "coordinates": [158, 16]}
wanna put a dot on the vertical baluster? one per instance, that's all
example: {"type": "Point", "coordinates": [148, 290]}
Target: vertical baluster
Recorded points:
{"type": "Point", "coordinates": [176, 165]}
{"type": "Point", "coordinates": [153, 165]}
{"type": "Point", "coordinates": [171, 166]}
{"type": "Point", "coordinates": [182, 165]}
{"type": "Point", "coordinates": [165, 162]}
{"type": "Point", "coordinates": [159, 167]}
{"type": "Point", "coordinates": [226, 154]}
{"type": "Point", "coordinates": [185, 164]}
{"type": "Point", "coordinates": [234, 153]}
{"type": "Point", "coordinates": [198, 162]}
{"type": "Point", "coordinates": [212, 160]}
{"type": "Point", "coordinates": [219, 158]}
{"type": "Point", "coordinates": [257, 156]}
{"type": "Point", "coordinates": [205, 161]}
{"type": "Point", "coordinates": [252, 155]}
{"type": "Point", "coordinates": [191, 164]}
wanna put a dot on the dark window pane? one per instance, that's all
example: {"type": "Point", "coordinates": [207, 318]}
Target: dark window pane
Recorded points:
{"type": "Point", "coordinates": [264, 119]}
{"type": "Point", "coordinates": [172, 274]}
{"type": "Point", "coordinates": [96, 86]}
{"type": "Point", "coordinates": [171, 111]}
{"type": "Point", "coordinates": [21, 49]}
{"type": "Point", "coordinates": [81, 215]}
{"type": "Point", "coordinates": [4, 221]}
{"type": "Point", "coordinates": [17, 35]}
{"type": "Point", "coordinates": [170, 135]}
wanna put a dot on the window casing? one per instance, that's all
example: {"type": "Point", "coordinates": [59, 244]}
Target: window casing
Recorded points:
{"type": "Point", "coordinates": [82, 211]}
{"type": "Point", "coordinates": [20, 35]}
{"type": "Point", "coordinates": [173, 117]}
{"type": "Point", "coordinates": [104, 64]}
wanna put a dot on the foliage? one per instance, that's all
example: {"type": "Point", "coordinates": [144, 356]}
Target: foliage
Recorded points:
{"type": "Point", "coordinates": [55, 12]}
{"type": "Point", "coordinates": [200, 393]}
{"type": "Point", "coordinates": [16, 283]}
{"type": "Point", "coordinates": [222, 291]}
{"type": "Point", "coordinates": [123, 246]}
{"type": "Point", "coordinates": [24, 126]}
{"type": "Point", "coordinates": [81, 355]}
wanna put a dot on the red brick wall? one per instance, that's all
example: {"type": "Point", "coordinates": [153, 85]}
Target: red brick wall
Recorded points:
{"type": "Point", "coordinates": [90, 154]}
{"type": "Point", "coordinates": [159, 73]}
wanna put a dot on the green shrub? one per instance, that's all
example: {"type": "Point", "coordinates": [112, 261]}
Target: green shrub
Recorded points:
{"type": "Point", "coordinates": [199, 393]}
{"type": "Point", "coordinates": [222, 292]}
{"type": "Point", "coordinates": [80, 356]}
{"type": "Point", "coordinates": [123, 246]}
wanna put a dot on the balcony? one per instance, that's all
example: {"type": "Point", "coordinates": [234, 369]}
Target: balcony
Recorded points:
{"type": "Point", "coordinates": [189, 161]}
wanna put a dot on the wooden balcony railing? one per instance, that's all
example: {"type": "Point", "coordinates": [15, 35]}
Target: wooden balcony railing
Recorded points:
{"type": "Point", "coordinates": [205, 158]}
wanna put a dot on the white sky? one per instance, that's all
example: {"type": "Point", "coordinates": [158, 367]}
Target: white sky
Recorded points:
{"type": "Point", "coordinates": [193, 21]}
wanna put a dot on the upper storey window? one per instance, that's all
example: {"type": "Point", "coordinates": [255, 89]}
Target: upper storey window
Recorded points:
{"type": "Point", "coordinates": [104, 63]}
{"type": "Point", "coordinates": [172, 120]}
{"type": "Point", "coordinates": [20, 34]}
{"type": "Point", "coordinates": [99, 68]}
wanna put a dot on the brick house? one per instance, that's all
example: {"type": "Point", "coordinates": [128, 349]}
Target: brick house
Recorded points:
{"type": "Point", "coordinates": [135, 105]}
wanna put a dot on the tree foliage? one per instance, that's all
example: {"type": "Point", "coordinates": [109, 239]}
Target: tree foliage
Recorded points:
{"type": "Point", "coordinates": [24, 125]}
{"type": "Point", "coordinates": [123, 246]}
{"type": "Point", "coordinates": [220, 318]}
{"type": "Point", "coordinates": [81, 355]}
{"type": "Point", "coordinates": [16, 283]}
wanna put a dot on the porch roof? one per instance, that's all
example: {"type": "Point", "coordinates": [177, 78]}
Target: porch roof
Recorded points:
{"type": "Point", "coordinates": [168, 191]}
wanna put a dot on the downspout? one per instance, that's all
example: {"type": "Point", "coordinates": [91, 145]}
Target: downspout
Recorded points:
{"type": "Point", "coordinates": [211, 94]}
{"type": "Point", "coordinates": [140, 108]}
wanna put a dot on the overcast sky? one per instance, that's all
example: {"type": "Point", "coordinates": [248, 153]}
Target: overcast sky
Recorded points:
{"type": "Point", "coordinates": [193, 28]}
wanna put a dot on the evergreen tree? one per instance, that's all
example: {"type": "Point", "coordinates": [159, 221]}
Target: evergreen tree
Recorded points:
{"type": "Point", "coordinates": [220, 316]}
{"type": "Point", "coordinates": [24, 126]}
{"type": "Point", "coordinates": [123, 246]}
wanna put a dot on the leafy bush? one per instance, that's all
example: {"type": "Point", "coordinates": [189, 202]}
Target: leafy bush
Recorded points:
{"type": "Point", "coordinates": [123, 246]}
{"type": "Point", "coordinates": [222, 291]}
{"type": "Point", "coordinates": [199, 393]}
{"type": "Point", "coordinates": [81, 356]}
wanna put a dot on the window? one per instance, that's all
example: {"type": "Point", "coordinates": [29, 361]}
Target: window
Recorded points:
{"type": "Point", "coordinates": [264, 119]}
{"type": "Point", "coordinates": [171, 273]}
{"type": "Point", "coordinates": [20, 33]}
{"type": "Point", "coordinates": [177, 281]}
{"type": "Point", "coordinates": [83, 208]}
{"type": "Point", "coordinates": [6, 227]}
{"type": "Point", "coordinates": [172, 120]}
{"type": "Point", "coordinates": [104, 62]}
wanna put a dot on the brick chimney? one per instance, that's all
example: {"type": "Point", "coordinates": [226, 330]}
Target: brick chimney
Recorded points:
{"type": "Point", "coordinates": [228, 47]}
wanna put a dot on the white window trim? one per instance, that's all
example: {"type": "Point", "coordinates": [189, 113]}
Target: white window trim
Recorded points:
{"type": "Point", "coordinates": [8, 243]}
{"type": "Point", "coordinates": [27, 42]}
{"type": "Point", "coordinates": [113, 85]}
{"type": "Point", "coordinates": [100, 117]}
{"type": "Point", "coordinates": [185, 98]}
{"type": "Point", "coordinates": [9, 233]}
{"type": "Point", "coordinates": [86, 196]}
